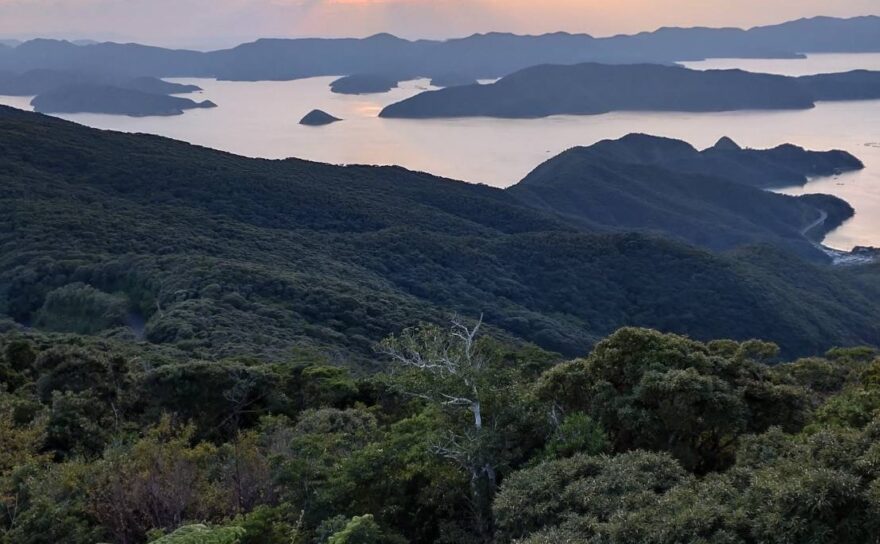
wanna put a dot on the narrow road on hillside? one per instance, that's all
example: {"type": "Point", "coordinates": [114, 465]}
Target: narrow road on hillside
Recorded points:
{"type": "Point", "coordinates": [817, 223]}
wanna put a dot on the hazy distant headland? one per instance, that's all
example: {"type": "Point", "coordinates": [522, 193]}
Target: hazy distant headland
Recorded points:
{"type": "Point", "coordinates": [479, 56]}
{"type": "Point", "coordinates": [590, 88]}
{"type": "Point", "coordinates": [114, 101]}
{"type": "Point", "coordinates": [365, 84]}
{"type": "Point", "coordinates": [63, 91]}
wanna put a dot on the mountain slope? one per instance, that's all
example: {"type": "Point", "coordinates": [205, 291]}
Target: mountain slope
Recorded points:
{"type": "Point", "coordinates": [220, 255]}
{"type": "Point", "coordinates": [652, 184]}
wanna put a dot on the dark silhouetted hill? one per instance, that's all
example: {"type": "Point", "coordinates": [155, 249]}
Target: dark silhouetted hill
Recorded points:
{"type": "Point", "coordinates": [645, 183]}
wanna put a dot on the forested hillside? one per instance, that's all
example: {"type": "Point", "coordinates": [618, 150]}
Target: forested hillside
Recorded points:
{"type": "Point", "coordinates": [707, 198]}
{"type": "Point", "coordinates": [143, 238]}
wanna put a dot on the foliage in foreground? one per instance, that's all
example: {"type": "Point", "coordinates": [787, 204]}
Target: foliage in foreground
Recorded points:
{"type": "Point", "coordinates": [651, 438]}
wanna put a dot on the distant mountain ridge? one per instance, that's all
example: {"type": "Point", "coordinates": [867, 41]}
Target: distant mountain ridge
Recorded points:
{"type": "Point", "coordinates": [479, 56]}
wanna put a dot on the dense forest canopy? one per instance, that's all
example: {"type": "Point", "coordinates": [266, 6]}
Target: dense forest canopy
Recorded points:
{"type": "Point", "coordinates": [650, 438]}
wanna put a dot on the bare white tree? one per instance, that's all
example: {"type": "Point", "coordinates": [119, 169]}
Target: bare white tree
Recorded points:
{"type": "Point", "coordinates": [447, 368]}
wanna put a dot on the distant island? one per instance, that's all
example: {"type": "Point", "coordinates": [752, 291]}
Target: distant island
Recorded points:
{"type": "Point", "coordinates": [590, 88]}
{"type": "Point", "coordinates": [317, 118]}
{"type": "Point", "coordinates": [114, 101]}
{"type": "Point", "coordinates": [365, 84]}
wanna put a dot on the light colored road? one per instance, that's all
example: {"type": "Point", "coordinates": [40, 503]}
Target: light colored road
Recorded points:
{"type": "Point", "coordinates": [817, 223]}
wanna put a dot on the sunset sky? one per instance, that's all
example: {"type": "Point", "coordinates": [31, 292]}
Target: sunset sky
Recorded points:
{"type": "Point", "coordinates": [214, 23]}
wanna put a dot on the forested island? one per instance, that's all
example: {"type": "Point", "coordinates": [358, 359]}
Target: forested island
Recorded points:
{"type": "Point", "coordinates": [590, 89]}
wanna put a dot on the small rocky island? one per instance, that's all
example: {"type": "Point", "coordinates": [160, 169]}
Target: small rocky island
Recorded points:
{"type": "Point", "coordinates": [318, 118]}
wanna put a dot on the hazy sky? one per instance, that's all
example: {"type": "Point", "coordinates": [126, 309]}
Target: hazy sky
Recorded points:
{"type": "Point", "coordinates": [210, 23]}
